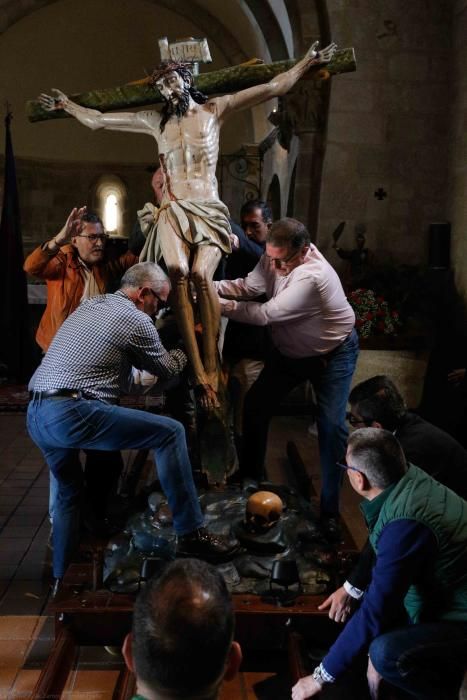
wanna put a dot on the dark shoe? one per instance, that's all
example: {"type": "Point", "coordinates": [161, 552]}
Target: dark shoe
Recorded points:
{"type": "Point", "coordinates": [201, 544]}
{"type": "Point", "coordinates": [331, 528]}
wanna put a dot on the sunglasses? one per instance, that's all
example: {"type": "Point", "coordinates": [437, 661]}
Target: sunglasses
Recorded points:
{"type": "Point", "coordinates": [353, 420]}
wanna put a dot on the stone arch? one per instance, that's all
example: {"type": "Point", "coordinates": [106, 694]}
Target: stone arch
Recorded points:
{"type": "Point", "coordinates": [273, 197]}
{"type": "Point", "coordinates": [291, 198]}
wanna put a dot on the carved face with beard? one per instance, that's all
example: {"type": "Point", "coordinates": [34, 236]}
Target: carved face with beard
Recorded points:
{"type": "Point", "coordinates": [176, 94]}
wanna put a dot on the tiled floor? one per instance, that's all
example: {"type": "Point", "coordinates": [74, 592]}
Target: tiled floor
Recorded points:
{"type": "Point", "coordinates": [26, 633]}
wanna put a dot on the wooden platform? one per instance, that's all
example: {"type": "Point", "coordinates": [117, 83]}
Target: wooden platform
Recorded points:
{"type": "Point", "coordinates": [87, 614]}
{"type": "Point", "coordinates": [102, 618]}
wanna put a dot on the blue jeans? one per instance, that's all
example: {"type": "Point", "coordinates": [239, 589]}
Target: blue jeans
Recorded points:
{"type": "Point", "coordinates": [102, 470]}
{"type": "Point", "coordinates": [331, 376]}
{"type": "Point", "coordinates": [61, 427]}
{"type": "Point", "coordinates": [425, 660]}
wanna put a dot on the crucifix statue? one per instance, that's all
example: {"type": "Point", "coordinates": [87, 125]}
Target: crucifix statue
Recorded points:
{"type": "Point", "coordinates": [192, 229]}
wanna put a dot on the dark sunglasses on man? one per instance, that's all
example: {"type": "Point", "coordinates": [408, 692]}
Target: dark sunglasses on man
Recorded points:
{"type": "Point", "coordinates": [357, 420]}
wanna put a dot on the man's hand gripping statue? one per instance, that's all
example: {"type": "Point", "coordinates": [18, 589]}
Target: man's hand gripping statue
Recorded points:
{"type": "Point", "coordinates": [191, 229]}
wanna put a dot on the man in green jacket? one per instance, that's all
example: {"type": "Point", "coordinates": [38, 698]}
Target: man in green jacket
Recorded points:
{"type": "Point", "coordinates": [412, 621]}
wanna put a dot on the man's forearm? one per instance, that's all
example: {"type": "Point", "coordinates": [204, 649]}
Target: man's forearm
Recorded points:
{"type": "Point", "coordinates": [360, 576]}
{"type": "Point", "coordinates": [244, 311]}
{"type": "Point", "coordinates": [237, 289]}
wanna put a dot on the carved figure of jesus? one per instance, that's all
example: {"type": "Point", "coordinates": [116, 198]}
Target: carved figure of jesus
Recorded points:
{"type": "Point", "coordinates": [191, 229]}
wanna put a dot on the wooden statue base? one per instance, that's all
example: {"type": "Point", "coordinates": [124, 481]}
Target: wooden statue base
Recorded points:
{"type": "Point", "coordinates": [87, 614]}
{"type": "Point", "coordinates": [102, 618]}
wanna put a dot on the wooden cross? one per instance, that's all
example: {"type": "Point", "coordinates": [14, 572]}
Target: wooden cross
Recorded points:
{"type": "Point", "coordinates": [140, 93]}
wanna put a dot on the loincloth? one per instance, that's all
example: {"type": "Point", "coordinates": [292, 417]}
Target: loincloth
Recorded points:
{"type": "Point", "coordinates": [194, 222]}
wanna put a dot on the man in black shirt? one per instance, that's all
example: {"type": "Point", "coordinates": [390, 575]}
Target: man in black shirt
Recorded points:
{"type": "Point", "coordinates": [245, 345]}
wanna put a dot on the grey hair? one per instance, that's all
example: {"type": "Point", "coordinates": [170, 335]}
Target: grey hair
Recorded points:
{"type": "Point", "coordinates": [145, 274]}
{"type": "Point", "coordinates": [377, 454]}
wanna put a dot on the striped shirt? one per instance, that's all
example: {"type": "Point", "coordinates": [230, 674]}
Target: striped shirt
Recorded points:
{"type": "Point", "coordinates": [97, 345]}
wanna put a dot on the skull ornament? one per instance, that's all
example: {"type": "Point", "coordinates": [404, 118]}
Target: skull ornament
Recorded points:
{"type": "Point", "coordinates": [263, 511]}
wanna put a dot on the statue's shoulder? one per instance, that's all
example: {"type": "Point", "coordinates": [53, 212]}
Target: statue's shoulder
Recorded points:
{"type": "Point", "coordinates": [151, 117]}
{"type": "Point", "coordinates": [217, 105]}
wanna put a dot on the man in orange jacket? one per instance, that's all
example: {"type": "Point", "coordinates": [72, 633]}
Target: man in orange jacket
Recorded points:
{"type": "Point", "coordinates": [75, 266]}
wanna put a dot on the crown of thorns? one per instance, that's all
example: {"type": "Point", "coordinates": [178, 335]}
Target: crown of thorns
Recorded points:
{"type": "Point", "coordinates": [183, 69]}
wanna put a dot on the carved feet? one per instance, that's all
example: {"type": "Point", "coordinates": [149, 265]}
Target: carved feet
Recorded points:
{"type": "Point", "coordinates": [206, 397]}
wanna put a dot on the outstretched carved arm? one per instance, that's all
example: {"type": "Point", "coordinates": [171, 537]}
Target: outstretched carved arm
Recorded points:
{"type": "Point", "coordinates": [280, 84]}
{"type": "Point", "coordinates": [92, 118]}
{"type": "Point", "coordinates": [285, 81]}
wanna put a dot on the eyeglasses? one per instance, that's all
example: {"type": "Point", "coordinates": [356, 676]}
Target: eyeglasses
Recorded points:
{"type": "Point", "coordinates": [278, 262]}
{"type": "Point", "coordinates": [355, 420]}
{"type": "Point", "coordinates": [161, 302]}
{"type": "Point", "coordinates": [347, 466]}
{"type": "Point", "coordinates": [93, 237]}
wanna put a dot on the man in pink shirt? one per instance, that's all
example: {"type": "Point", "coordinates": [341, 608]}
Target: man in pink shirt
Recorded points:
{"type": "Point", "coordinates": [312, 330]}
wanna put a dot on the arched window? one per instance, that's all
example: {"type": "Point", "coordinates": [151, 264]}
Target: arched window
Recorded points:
{"type": "Point", "coordinates": [111, 213]}
{"type": "Point", "coordinates": [109, 201]}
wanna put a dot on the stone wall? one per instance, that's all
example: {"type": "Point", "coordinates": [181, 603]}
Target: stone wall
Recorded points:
{"type": "Point", "coordinates": [49, 190]}
{"type": "Point", "coordinates": [457, 173]}
{"type": "Point", "coordinates": [388, 126]}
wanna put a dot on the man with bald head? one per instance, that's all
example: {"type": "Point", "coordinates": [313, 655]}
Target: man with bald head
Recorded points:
{"type": "Point", "coordinates": [181, 644]}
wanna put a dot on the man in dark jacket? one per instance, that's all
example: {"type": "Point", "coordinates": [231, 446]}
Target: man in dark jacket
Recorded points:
{"type": "Point", "coordinates": [377, 403]}
{"type": "Point", "coordinates": [249, 239]}
{"type": "Point", "coordinates": [245, 345]}
{"type": "Point", "coordinates": [413, 618]}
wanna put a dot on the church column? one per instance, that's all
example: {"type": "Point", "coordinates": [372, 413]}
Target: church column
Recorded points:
{"type": "Point", "coordinates": [303, 113]}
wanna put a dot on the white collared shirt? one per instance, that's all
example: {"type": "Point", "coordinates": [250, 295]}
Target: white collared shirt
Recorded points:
{"type": "Point", "coordinates": [307, 310]}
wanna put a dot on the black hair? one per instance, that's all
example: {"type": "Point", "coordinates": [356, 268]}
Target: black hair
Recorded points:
{"type": "Point", "coordinates": [252, 204]}
{"type": "Point", "coordinates": [89, 217]}
{"type": "Point", "coordinates": [377, 399]}
{"type": "Point", "coordinates": [182, 629]}
{"type": "Point", "coordinates": [187, 76]}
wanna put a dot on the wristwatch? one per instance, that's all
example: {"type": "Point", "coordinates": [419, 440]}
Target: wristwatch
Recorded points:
{"type": "Point", "coordinates": [318, 675]}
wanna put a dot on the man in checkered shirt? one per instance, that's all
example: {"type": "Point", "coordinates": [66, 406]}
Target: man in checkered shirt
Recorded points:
{"type": "Point", "coordinates": [74, 407]}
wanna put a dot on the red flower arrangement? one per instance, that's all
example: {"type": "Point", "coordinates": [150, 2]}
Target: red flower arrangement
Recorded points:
{"type": "Point", "coordinates": [372, 314]}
